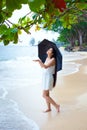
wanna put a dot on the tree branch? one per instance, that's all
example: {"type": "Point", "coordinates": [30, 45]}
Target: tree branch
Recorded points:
{"type": "Point", "coordinates": [7, 23]}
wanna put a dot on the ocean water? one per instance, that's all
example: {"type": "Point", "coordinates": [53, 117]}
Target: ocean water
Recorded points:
{"type": "Point", "coordinates": [16, 66]}
{"type": "Point", "coordinates": [18, 70]}
{"type": "Point", "coordinates": [13, 52]}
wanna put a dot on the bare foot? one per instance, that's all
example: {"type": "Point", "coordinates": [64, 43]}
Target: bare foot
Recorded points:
{"type": "Point", "coordinates": [48, 110]}
{"type": "Point", "coordinates": [58, 108]}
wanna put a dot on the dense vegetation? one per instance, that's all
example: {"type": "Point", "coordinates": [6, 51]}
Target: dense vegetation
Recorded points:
{"type": "Point", "coordinates": [66, 16]}
{"type": "Point", "coordinates": [75, 36]}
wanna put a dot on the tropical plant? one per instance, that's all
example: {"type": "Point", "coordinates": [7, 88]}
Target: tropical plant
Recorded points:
{"type": "Point", "coordinates": [45, 13]}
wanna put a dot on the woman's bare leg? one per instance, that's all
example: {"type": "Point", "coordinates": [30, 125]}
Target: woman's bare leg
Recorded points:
{"type": "Point", "coordinates": [50, 101]}
{"type": "Point", "coordinates": [48, 104]}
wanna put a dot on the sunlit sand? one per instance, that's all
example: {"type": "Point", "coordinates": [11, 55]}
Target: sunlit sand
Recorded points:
{"type": "Point", "coordinates": [70, 92]}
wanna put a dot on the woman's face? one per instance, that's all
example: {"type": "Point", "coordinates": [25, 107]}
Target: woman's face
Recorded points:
{"type": "Point", "coordinates": [50, 52]}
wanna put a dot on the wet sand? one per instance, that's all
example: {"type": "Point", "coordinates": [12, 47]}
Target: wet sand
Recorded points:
{"type": "Point", "coordinates": [70, 92]}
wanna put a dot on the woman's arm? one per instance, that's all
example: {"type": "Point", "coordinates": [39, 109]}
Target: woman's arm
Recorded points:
{"type": "Point", "coordinates": [50, 63]}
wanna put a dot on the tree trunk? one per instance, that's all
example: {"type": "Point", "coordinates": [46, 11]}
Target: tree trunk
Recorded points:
{"type": "Point", "coordinates": [80, 38]}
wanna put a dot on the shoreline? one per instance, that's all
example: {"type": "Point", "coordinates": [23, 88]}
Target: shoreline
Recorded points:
{"type": "Point", "coordinates": [70, 92]}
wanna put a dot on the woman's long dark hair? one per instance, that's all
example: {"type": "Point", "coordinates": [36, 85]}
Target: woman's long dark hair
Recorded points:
{"type": "Point", "coordinates": [55, 74]}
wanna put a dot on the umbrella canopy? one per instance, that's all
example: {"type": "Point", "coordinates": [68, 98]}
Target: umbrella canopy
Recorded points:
{"type": "Point", "coordinates": [43, 46]}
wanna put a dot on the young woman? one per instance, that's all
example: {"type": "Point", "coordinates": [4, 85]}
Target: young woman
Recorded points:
{"type": "Point", "coordinates": [49, 78]}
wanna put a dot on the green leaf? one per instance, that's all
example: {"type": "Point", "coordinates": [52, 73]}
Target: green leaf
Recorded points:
{"type": "Point", "coordinates": [6, 42]}
{"type": "Point", "coordinates": [14, 30]}
{"type": "Point", "coordinates": [15, 4]}
{"type": "Point", "coordinates": [36, 5]}
{"type": "Point", "coordinates": [3, 28]}
{"type": "Point", "coordinates": [15, 38]}
{"type": "Point", "coordinates": [82, 5]}
{"type": "Point", "coordinates": [1, 18]}
{"type": "Point", "coordinates": [19, 31]}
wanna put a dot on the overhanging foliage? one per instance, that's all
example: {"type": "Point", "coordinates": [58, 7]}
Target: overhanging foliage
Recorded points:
{"type": "Point", "coordinates": [45, 13]}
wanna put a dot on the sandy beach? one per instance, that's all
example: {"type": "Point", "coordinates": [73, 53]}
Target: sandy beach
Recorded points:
{"type": "Point", "coordinates": [70, 92]}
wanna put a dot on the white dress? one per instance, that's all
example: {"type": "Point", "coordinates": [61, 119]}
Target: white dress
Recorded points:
{"type": "Point", "coordinates": [47, 78]}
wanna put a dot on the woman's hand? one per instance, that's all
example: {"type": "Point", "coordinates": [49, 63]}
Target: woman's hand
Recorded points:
{"type": "Point", "coordinates": [36, 60]}
{"type": "Point", "coordinates": [50, 63]}
{"type": "Point", "coordinates": [40, 62]}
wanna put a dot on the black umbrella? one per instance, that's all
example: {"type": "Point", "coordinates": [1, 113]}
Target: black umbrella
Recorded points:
{"type": "Point", "coordinates": [43, 46]}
